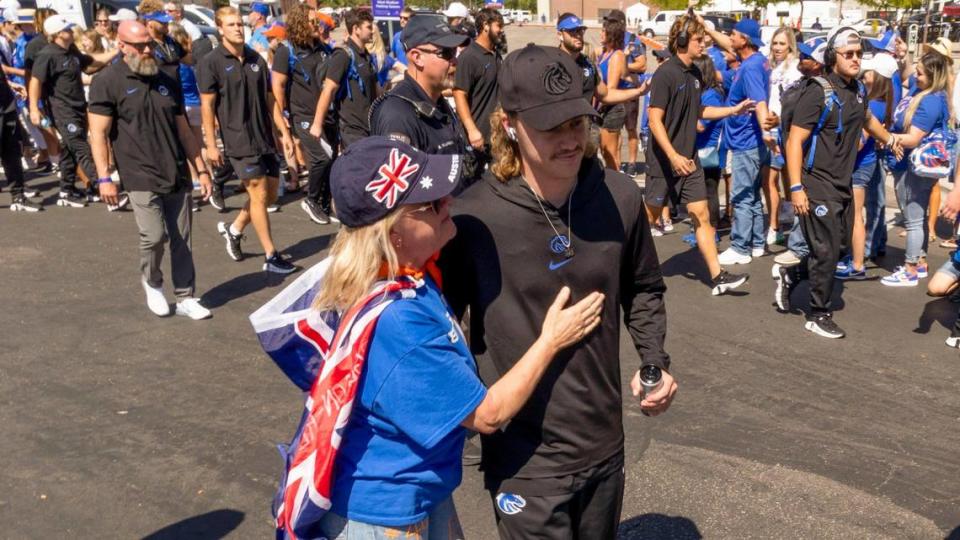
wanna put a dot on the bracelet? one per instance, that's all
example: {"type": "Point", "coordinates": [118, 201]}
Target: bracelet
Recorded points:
{"type": "Point", "coordinates": [796, 187]}
{"type": "Point", "coordinates": [104, 180]}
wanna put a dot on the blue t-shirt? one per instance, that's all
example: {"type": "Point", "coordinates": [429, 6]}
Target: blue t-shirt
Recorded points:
{"type": "Point", "coordinates": [383, 74]}
{"type": "Point", "coordinates": [188, 85]}
{"type": "Point", "coordinates": [402, 448]}
{"type": "Point", "coordinates": [710, 136]}
{"type": "Point", "coordinates": [897, 87]}
{"type": "Point", "coordinates": [868, 154]}
{"type": "Point", "coordinates": [644, 119]}
{"type": "Point", "coordinates": [633, 48]}
{"type": "Point", "coordinates": [932, 112]}
{"type": "Point", "coordinates": [719, 61]}
{"type": "Point", "coordinates": [258, 41]}
{"type": "Point", "coordinates": [397, 49]}
{"type": "Point", "coordinates": [751, 80]}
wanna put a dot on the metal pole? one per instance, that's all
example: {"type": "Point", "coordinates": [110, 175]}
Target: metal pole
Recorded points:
{"type": "Point", "coordinates": [926, 25]}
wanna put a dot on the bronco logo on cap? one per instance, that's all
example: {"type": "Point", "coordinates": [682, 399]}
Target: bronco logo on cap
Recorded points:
{"type": "Point", "coordinates": [393, 179]}
{"type": "Point", "coordinates": [556, 79]}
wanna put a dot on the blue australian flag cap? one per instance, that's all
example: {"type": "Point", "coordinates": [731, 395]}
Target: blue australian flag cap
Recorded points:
{"type": "Point", "coordinates": [377, 175]}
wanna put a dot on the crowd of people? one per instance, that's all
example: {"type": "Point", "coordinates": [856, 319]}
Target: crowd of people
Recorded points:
{"type": "Point", "coordinates": [478, 193]}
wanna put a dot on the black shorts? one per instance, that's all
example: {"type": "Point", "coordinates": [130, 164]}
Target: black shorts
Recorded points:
{"type": "Point", "coordinates": [632, 110]}
{"type": "Point", "coordinates": [612, 118]}
{"type": "Point", "coordinates": [252, 167]}
{"type": "Point", "coordinates": [682, 190]}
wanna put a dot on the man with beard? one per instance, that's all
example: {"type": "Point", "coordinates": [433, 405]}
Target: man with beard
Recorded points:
{"type": "Point", "coordinates": [350, 82]}
{"type": "Point", "coordinates": [415, 111]}
{"type": "Point", "coordinates": [296, 88]}
{"type": "Point", "coordinates": [235, 92]}
{"type": "Point", "coordinates": [570, 31]}
{"type": "Point", "coordinates": [544, 217]}
{"type": "Point", "coordinates": [166, 50]}
{"type": "Point", "coordinates": [136, 105]}
{"type": "Point", "coordinates": [55, 79]}
{"type": "Point", "coordinates": [475, 85]}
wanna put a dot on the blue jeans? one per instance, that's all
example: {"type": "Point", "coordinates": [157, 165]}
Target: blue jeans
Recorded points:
{"type": "Point", "coordinates": [795, 240]}
{"type": "Point", "coordinates": [748, 229]}
{"type": "Point", "coordinates": [441, 524]}
{"type": "Point", "coordinates": [870, 178]}
{"type": "Point", "coordinates": [913, 196]}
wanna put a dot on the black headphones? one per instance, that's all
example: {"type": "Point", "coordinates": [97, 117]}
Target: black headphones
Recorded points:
{"type": "Point", "coordinates": [683, 38]}
{"type": "Point", "coordinates": [830, 55]}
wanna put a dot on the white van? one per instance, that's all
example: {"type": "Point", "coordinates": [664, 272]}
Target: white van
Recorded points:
{"type": "Point", "coordinates": [661, 23]}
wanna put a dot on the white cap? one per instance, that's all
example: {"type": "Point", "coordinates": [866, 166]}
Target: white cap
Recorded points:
{"type": "Point", "coordinates": [10, 4]}
{"type": "Point", "coordinates": [9, 15]}
{"type": "Point", "coordinates": [456, 9]}
{"type": "Point", "coordinates": [883, 64]}
{"type": "Point", "coordinates": [56, 24]}
{"type": "Point", "coordinates": [123, 14]}
{"type": "Point", "coordinates": [844, 36]}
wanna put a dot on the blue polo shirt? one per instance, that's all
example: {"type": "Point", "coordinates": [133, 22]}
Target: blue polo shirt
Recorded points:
{"type": "Point", "coordinates": [402, 448]}
{"type": "Point", "coordinates": [932, 112]}
{"type": "Point", "coordinates": [868, 154]}
{"type": "Point", "coordinates": [751, 80]}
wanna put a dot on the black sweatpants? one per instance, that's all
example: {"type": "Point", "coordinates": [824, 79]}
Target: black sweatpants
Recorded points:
{"type": "Point", "coordinates": [827, 229]}
{"type": "Point", "coordinates": [318, 160]}
{"type": "Point", "coordinates": [75, 151]}
{"type": "Point", "coordinates": [11, 150]}
{"type": "Point", "coordinates": [581, 506]}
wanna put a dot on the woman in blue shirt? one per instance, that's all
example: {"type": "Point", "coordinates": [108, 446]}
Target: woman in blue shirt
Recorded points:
{"type": "Point", "coordinates": [913, 119]}
{"type": "Point", "coordinates": [399, 459]}
{"type": "Point", "coordinates": [709, 134]}
{"type": "Point", "coordinates": [870, 237]}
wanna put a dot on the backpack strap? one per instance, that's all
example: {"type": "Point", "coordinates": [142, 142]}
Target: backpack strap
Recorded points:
{"type": "Point", "coordinates": [829, 100]}
{"type": "Point", "coordinates": [293, 61]}
{"type": "Point", "coordinates": [351, 74]}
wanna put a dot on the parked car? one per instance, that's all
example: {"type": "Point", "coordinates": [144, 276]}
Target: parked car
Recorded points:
{"type": "Point", "coordinates": [870, 27]}
{"type": "Point", "coordinates": [199, 15]}
{"type": "Point", "coordinates": [721, 23]}
{"type": "Point", "coordinates": [936, 26]}
{"type": "Point", "coordinates": [661, 23]}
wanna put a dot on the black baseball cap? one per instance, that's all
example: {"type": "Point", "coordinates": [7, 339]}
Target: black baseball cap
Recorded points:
{"type": "Point", "coordinates": [376, 175]}
{"type": "Point", "coordinates": [615, 15]}
{"type": "Point", "coordinates": [425, 29]}
{"type": "Point", "coordinates": [544, 86]}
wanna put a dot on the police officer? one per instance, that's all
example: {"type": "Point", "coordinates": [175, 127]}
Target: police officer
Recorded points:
{"type": "Point", "coordinates": [137, 106]}
{"type": "Point", "coordinates": [414, 111]}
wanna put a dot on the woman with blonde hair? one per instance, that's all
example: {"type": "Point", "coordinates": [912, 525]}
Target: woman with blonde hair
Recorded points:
{"type": "Point", "coordinates": [785, 72]}
{"type": "Point", "coordinates": [416, 389]}
{"type": "Point", "coordinates": [388, 69]}
{"type": "Point", "coordinates": [914, 118]}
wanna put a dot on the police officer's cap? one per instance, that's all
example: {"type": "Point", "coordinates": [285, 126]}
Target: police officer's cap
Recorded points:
{"type": "Point", "coordinates": [426, 29]}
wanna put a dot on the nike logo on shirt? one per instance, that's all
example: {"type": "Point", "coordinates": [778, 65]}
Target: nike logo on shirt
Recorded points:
{"type": "Point", "coordinates": [229, 68]}
{"type": "Point", "coordinates": [131, 90]}
{"type": "Point", "coordinates": [554, 265]}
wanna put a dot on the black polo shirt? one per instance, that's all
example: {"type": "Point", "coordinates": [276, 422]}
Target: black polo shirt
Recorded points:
{"type": "Point", "coordinates": [168, 54]}
{"type": "Point", "coordinates": [33, 49]}
{"type": "Point", "coordinates": [58, 71]}
{"type": "Point", "coordinates": [303, 86]}
{"type": "Point", "coordinates": [477, 70]}
{"type": "Point", "coordinates": [591, 76]}
{"type": "Point", "coordinates": [675, 88]}
{"type": "Point", "coordinates": [353, 109]}
{"type": "Point", "coordinates": [241, 87]}
{"type": "Point", "coordinates": [439, 132]}
{"type": "Point", "coordinates": [835, 155]}
{"type": "Point", "coordinates": [144, 136]}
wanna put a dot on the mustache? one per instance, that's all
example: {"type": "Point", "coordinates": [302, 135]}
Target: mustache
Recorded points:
{"type": "Point", "coordinates": [146, 66]}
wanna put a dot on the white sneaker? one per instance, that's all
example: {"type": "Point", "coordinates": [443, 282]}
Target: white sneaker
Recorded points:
{"type": "Point", "coordinates": [787, 258]}
{"type": "Point", "coordinates": [730, 256]}
{"type": "Point", "coordinates": [190, 307]}
{"type": "Point", "coordinates": [758, 252]}
{"type": "Point", "coordinates": [655, 232]}
{"type": "Point", "coordinates": [155, 300]}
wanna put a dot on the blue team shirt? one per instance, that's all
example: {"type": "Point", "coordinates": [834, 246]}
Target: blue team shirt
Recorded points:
{"type": "Point", "coordinates": [633, 48]}
{"type": "Point", "coordinates": [751, 80]}
{"type": "Point", "coordinates": [188, 85]}
{"type": "Point", "coordinates": [868, 154]}
{"type": "Point", "coordinates": [644, 119]}
{"type": "Point", "coordinates": [897, 87]}
{"type": "Point", "coordinates": [402, 448]}
{"type": "Point", "coordinates": [397, 48]}
{"type": "Point", "coordinates": [710, 136]}
{"type": "Point", "coordinates": [932, 113]}
{"type": "Point", "coordinates": [258, 41]}
{"type": "Point", "coordinates": [383, 74]}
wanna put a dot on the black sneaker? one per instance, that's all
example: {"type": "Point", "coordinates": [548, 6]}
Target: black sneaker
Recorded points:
{"type": "Point", "coordinates": [276, 263]}
{"type": "Point", "coordinates": [785, 286]}
{"type": "Point", "coordinates": [630, 169]}
{"type": "Point", "coordinates": [23, 204]}
{"type": "Point", "coordinates": [216, 198]}
{"type": "Point", "coordinates": [822, 324]}
{"type": "Point", "coordinates": [93, 194]}
{"type": "Point", "coordinates": [42, 168]}
{"type": "Point", "coordinates": [233, 241]}
{"type": "Point", "coordinates": [725, 281]}
{"type": "Point", "coordinates": [316, 213]}
{"type": "Point", "coordinates": [72, 199]}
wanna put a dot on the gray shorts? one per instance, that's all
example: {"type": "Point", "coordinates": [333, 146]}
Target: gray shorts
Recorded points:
{"type": "Point", "coordinates": [613, 118]}
{"type": "Point", "coordinates": [951, 269]}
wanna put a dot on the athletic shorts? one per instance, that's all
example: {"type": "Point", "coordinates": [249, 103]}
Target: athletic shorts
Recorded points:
{"type": "Point", "coordinates": [613, 118]}
{"type": "Point", "coordinates": [632, 110]}
{"type": "Point", "coordinates": [251, 167]}
{"type": "Point", "coordinates": [193, 115]}
{"type": "Point", "coordinates": [682, 190]}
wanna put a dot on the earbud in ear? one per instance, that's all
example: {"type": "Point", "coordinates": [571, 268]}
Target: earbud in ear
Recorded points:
{"type": "Point", "coordinates": [512, 133]}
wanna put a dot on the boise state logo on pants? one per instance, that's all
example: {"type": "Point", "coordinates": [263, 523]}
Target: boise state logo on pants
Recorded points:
{"type": "Point", "coordinates": [820, 210]}
{"type": "Point", "coordinates": [510, 503]}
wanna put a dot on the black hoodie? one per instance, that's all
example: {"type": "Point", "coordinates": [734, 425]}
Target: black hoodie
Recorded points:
{"type": "Point", "coordinates": [502, 265]}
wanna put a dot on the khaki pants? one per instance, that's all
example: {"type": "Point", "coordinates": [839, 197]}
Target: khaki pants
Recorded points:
{"type": "Point", "coordinates": [162, 217]}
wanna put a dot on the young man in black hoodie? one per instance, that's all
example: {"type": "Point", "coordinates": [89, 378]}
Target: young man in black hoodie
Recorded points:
{"type": "Point", "coordinates": [545, 216]}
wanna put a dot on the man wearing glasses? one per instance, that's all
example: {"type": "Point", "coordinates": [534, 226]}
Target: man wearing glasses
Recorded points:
{"type": "Point", "coordinates": [135, 105]}
{"type": "Point", "coordinates": [821, 190]}
{"type": "Point", "coordinates": [166, 50]}
{"type": "Point", "coordinates": [175, 11]}
{"type": "Point", "coordinates": [414, 111]}
{"type": "Point", "coordinates": [396, 47]}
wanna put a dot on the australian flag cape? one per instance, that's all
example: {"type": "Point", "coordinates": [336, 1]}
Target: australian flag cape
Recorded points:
{"type": "Point", "coordinates": [322, 352]}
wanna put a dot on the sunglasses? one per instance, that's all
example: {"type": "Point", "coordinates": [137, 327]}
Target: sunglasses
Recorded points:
{"type": "Point", "coordinates": [850, 55]}
{"type": "Point", "coordinates": [402, 18]}
{"type": "Point", "coordinates": [103, 22]}
{"type": "Point", "coordinates": [444, 54]}
{"type": "Point", "coordinates": [140, 47]}
{"type": "Point", "coordinates": [433, 206]}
